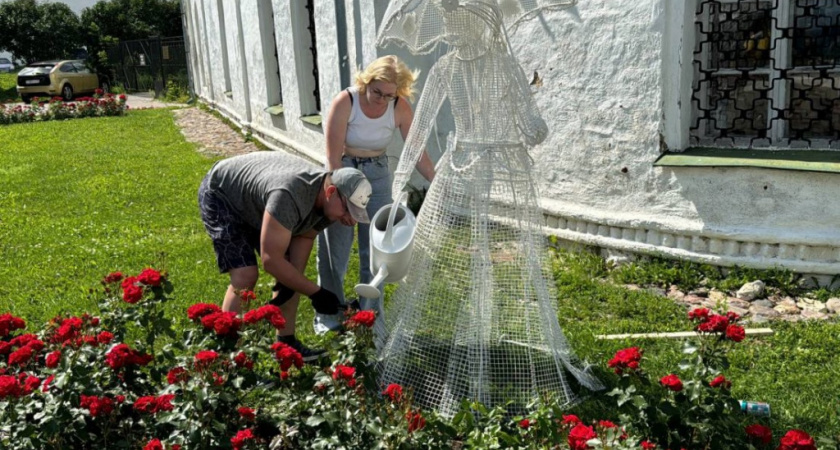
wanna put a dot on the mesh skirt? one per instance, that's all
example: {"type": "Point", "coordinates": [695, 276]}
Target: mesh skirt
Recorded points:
{"type": "Point", "coordinates": [475, 318]}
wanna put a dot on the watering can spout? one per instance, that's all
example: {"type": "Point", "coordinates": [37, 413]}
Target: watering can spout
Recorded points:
{"type": "Point", "coordinates": [391, 244]}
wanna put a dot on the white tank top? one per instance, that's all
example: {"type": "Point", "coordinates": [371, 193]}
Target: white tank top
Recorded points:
{"type": "Point", "coordinates": [364, 133]}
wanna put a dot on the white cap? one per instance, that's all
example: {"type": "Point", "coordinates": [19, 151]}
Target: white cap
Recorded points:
{"type": "Point", "coordinates": [356, 189]}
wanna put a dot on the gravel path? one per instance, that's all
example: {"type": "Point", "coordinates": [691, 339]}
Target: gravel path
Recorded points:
{"type": "Point", "coordinates": [213, 137]}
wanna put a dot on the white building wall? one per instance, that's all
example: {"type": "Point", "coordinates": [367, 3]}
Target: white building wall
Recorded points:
{"type": "Point", "coordinates": [614, 87]}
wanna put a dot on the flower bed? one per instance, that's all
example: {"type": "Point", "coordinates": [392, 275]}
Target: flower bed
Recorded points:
{"type": "Point", "coordinates": [57, 109]}
{"type": "Point", "coordinates": [127, 379]}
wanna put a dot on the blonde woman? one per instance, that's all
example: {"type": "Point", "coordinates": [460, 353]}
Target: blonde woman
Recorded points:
{"type": "Point", "coordinates": [359, 127]}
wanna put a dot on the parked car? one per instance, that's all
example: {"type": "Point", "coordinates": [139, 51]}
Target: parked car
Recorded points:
{"type": "Point", "coordinates": [6, 65]}
{"type": "Point", "coordinates": [58, 78]}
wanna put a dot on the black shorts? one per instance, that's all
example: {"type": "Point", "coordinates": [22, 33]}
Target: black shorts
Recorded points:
{"type": "Point", "coordinates": [236, 243]}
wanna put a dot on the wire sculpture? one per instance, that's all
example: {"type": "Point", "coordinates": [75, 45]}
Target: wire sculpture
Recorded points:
{"type": "Point", "coordinates": [475, 317]}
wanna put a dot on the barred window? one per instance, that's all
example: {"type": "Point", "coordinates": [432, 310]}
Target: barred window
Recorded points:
{"type": "Point", "coordinates": [767, 74]}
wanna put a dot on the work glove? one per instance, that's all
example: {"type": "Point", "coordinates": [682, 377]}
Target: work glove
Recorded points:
{"type": "Point", "coordinates": [325, 302]}
{"type": "Point", "coordinates": [284, 294]}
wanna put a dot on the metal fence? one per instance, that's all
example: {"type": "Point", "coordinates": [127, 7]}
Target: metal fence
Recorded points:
{"type": "Point", "coordinates": [767, 74]}
{"type": "Point", "coordinates": [149, 64]}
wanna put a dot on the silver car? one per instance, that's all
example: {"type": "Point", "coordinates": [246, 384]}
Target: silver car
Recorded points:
{"type": "Point", "coordinates": [6, 65]}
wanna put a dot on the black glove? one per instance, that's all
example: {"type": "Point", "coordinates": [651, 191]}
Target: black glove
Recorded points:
{"type": "Point", "coordinates": [325, 302]}
{"type": "Point", "coordinates": [284, 294]}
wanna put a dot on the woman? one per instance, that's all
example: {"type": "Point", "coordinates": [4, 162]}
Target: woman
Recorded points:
{"type": "Point", "coordinates": [359, 128]}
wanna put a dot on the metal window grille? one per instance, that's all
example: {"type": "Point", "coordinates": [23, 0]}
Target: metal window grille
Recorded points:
{"type": "Point", "coordinates": [767, 74]}
{"type": "Point", "coordinates": [310, 7]}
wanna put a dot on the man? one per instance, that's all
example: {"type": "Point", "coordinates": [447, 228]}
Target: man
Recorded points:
{"type": "Point", "coordinates": [275, 204]}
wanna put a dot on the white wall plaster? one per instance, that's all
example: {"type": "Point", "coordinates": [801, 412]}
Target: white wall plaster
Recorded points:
{"type": "Point", "coordinates": [615, 92]}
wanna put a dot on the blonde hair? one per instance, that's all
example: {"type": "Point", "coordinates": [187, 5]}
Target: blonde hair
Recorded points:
{"type": "Point", "coordinates": [390, 70]}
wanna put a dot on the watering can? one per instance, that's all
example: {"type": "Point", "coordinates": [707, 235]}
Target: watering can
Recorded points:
{"type": "Point", "coordinates": [391, 243]}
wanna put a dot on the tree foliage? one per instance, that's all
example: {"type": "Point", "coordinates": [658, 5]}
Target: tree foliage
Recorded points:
{"type": "Point", "coordinates": [33, 31]}
{"type": "Point", "coordinates": [107, 22]}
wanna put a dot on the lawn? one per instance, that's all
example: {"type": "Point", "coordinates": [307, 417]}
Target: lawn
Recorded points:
{"type": "Point", "coordinates": [8, 82]}
{"type": "Point", "coordinates": [81, 198]}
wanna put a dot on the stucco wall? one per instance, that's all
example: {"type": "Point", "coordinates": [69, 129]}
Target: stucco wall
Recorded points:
{"type": "Point", "coordinates": [614, 79]}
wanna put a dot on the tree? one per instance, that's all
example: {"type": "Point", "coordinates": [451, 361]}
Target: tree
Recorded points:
{"type": "Point", "coordinates": [109, 21]}
{"type": "Point", "coordinates": [33, 31]}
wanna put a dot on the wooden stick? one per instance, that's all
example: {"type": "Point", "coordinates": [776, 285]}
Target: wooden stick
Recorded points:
{"type": "Point", "coordinates": [679, 334]}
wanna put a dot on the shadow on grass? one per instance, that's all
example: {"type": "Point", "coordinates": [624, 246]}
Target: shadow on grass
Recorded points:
{"type": "Point", "coordinates": [8, 91]}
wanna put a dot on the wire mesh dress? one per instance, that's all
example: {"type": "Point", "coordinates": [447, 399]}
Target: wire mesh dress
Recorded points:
{"type": "Point", "coordinates": [474, 318]}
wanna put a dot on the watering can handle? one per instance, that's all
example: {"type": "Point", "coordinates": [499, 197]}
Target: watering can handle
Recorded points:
{"type": "Point", "coordinates": [389, 228]}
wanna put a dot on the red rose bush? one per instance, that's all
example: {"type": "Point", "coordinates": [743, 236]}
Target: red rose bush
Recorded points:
{"type": "Point", "coordinates": [124, 377]}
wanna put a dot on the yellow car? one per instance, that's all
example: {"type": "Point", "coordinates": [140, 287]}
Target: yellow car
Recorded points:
{"type": "Point", "coordinates": [57, 78]}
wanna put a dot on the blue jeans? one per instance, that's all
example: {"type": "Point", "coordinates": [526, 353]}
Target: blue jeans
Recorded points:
{"type": "Point", "coordinates": [335, 242]}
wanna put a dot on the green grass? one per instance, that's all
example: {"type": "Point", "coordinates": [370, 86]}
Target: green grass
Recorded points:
{"type": "Point", "coordinates": [8, 83]}
{"type": "Point", "coordinates": [81, 198]}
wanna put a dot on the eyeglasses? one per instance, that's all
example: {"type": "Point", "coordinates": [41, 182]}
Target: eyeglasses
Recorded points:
{"type": "Point", "coordinates": [379, 94]}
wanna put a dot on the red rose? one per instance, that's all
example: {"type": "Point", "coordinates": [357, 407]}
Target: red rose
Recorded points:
{"type": "Point", "coordinates": [46, 386]}
{"type": "Point", "coordinates": [735, 333]}
{"type": "Point", "coordinates": [525, 423]}
{"type": "Point", "coordinates": [284, 375]}
{"type": "Point", "coordinates": [128, 281]}
{"type": "Point", "coordinates": [715, 323]}
{"type": "Point", "coordinates": [132, 294]}
{"type": "Point", "coordinates": [246, 296]}
{"type": "Point", "coordinates": [606, 424]}
{"type": "Point", "coordinates": [223, 323]}
{"type": "Point", "coordinates": [105, 337]}
{"type": "Point", "coordinates": [205, 358]}
{"type": "Point", "coordinates": [760, 433]}
{"type": "Point", "coordinates": [733, 316]}
{"type": "Point", "coordinates": [394, 391]}
{"type": "Point", "coordinates": [287, 356]}
{"type": "Point", "coordinates": [720, 381]}
{"type": "Point", "coordinates": [121, 355]}
{"type": "Point", "coordinates": [270, 313]}
{"type": "Point", "coordinates": [177, 375]}
{"type": "Point", "coordinates": [149, 277]}
{"type": "Point", "coordinates": [98, 406]}
{"type": "Point", "coordinates": [53, 359]}
{"type": "Point", "coordinates": [120, 398]}
{"type": "Point", "coordinates": [627, 358]}
{"type": "Point", "coordinates": [347, 373]}
{"type": "Point", "coordinates": [570, 419]}
{"type": "Point", "coordinates": [9, 323]}
{"type": "Point", "coordinates": [9, 386]}
{"type": "Point", "coordinates": [700, 314]}
{"type": "Point", "coordinates": [671, 382]}
{"type": "Point", "coordinates": [242, 360]}
{"type": "Point", "coordinates": [218, 380]}
{"type": "Point", "coordinates": [199, 310]}
{"type": "Point", "coordinates": [797, 440]}
{"type": "Point", "coordinates": [152, 405]}
{"type": "Point", "coordinates": [241, 438]}
{"type": "Point", "coordinates": [154, 444]}
{"type": "Point", "coordinates": [21, 356]}
{"type": "Point", "coordinates": [113, 277]}
{"type": "Point", "coordinates": [579, 435]}
{"type": "Point", "coordinates": [247, 413]}
{"type": "Point", "coordinates": [415, 421]}
{"type": "Point", "coordinates": [30, 384]}
{"type": "Point", "coordinates": [5, 348]}
{"type": "Point", "coordinates": [363, 318]}
{"type": "Point", "coordinates": [647, 445]}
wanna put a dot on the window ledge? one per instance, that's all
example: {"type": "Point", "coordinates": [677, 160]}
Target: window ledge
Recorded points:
{"type": "Point", "coordinates": [313, 119]}
{"type": "Point", "coordinates": [275, 110]}
{"type": "Point", "coordinates": [229, 94]}
{"type": "Point", "coordinates": [799, 160]}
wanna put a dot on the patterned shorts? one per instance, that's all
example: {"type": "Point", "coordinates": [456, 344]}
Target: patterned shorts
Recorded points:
{"type": "Point", "coordinates": [236, 243]}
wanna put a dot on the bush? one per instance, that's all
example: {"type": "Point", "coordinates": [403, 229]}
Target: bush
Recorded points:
{"type": "Point", "coordinates": [128, 379]}
{"type": "Point", "coordinates": [57, 109]}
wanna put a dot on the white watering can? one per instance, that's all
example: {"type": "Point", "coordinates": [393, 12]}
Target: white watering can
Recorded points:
{"type": "Point", "coordinates": [391, 242]}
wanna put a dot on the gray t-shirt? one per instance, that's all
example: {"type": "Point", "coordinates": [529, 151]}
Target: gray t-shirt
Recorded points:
{"type": "Point", "coordinates": [284, 185]}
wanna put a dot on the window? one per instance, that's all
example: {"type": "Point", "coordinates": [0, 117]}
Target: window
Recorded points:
{"type": "Point", "coordinates": [268, 35]}
{"type": "Point", "coordinates": [223, 38]}
{"type": "Point", "coordinates": [67, 68]}
{"type": "Point", "coordinates": [767, 74]}
{"type": "Point", "coordinates": [306, 56]}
